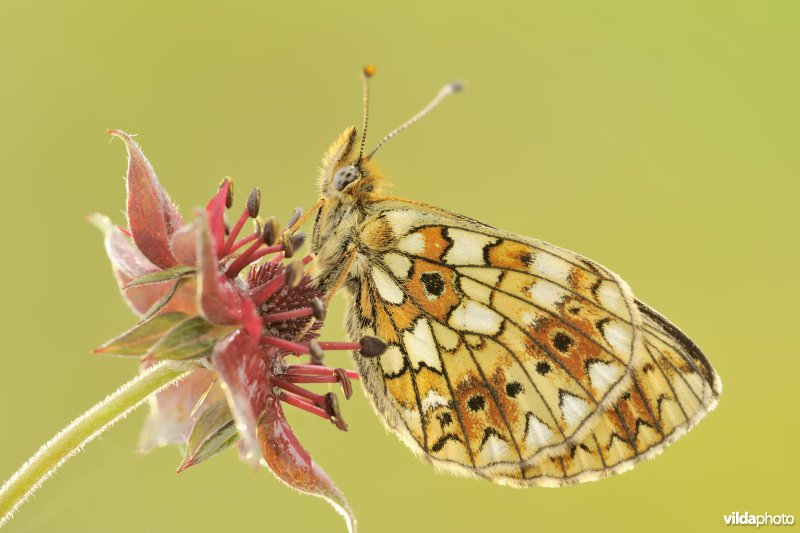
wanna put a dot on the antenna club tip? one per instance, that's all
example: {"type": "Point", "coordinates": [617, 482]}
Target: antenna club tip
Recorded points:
{"type": "Point", "coordinates": [457, 86]}
{"type": "Point", "coordinates": [369, 71]}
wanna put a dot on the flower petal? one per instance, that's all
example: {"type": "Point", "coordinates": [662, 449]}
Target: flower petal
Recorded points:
{"type": "Point", "coordinates": [172, 411]}
{"type": "Point", "coordinates": [152, 217]}
{"type": "Point", "coordinates": [128, 263]}
{"type": "Point", "coordinates": [219, 300]}
{"type": "Point", "coordinates": [183, 244]}
{"type": "Point", "coordinates": [244, 379]}
{"type": "Point", "coordinates": [291, 463]}
{"type": "Point", "coordinates": [216, 213]}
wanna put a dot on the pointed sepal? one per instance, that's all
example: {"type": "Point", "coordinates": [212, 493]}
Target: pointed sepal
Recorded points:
{"type": "Point", "coordinates": [291, 463]}
{"type": "Point", "coordinates": [244, 379]}
{"type": "Point", "coordinates": [214, 431]}
{"type": "Point", "coordinates": [138, 340]}
{"type": "Point", "coordinates": [152, 217]}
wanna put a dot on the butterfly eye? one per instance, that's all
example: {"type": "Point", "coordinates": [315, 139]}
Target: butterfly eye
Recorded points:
{"type": "Point", "coordinates": [345, 176]}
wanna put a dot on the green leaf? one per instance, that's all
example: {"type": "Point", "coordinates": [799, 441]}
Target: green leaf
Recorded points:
{"type": "Point", "coordinates": [138, 340]}
{"type": "Point", "coordinates": [194, 337]}
{"type": "Point", "coordinates": [214, 431]}
{"type": "Point", "coordinates": [162, 275]}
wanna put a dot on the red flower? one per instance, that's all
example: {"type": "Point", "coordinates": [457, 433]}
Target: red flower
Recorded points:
{"type": "Point", "coordinates": [240, 311]}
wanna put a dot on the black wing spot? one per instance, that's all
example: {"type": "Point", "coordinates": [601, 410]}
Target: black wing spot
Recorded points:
{"type": "Point", "coordinates": [445, 419]}
{"type": "Point", "coordinates": [562, 341]}
{"type": "Point", "coordinates": [476, 403]}
{"type": "Point", "coordinates": [543, 368]}
{"type": "Point", "coordinates": [433, 283]}
{"type": "Point", "coordinates": [513, 388]}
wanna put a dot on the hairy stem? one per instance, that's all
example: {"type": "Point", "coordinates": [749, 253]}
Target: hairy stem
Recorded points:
{"type": "Point", "coordinates": [83, 429]}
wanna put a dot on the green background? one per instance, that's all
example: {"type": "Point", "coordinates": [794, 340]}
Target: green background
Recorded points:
{"type": "Point", "coordinates": [660, 140]}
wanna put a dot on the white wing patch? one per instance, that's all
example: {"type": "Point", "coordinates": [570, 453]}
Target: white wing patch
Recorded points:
{"type": "Point", "coordinates": [550, 267]}
{"type": "Point", "coordinates": [547, 294]}
{"type": "Point", "coordinates": [433, 400]}
{"type": "Point", "coordinates": [476, 317]}
{"type": "Point", "coordinates": [392, 361]}
{"type": "Point", "coordinates": [400, 221]}
{"type": "Point", "coordinates": [494, 450]}
{"type": "Point", "coordinates": [538, 433]}
{"type": "Point", "coordinates": [398, 264]}
{"type": "Point", "coordinates": [611, 298]}
{"type": "Point", "coordinates": [387, 286]}
{"type": "Point", "coordinates": [602, 375]}
{"type": "Point", "coordinates": [574, 409]}
{"type": "Point", "coordinates": [467, 247]}
{"type": "Point", "coordinates": [421, 347]}
{"type": "Point", "coordinates": [619, 335]}
{"type": "Point", "coordinates": [413, 244]}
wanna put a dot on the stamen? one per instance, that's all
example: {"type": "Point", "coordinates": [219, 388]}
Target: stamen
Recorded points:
{"type": "Point", "coordinates": [244, 259]}
{"type": "Point", "coordinates": [299, 391]}
{"type": "Point", "coordinates": [253, 205]}
{"type": "Point", "coordinates": [318, 308]}
{"type": "Point", "coordinates": [288, 245]}
{"type": "Point", "coordinates": [338, 376]}
{"type": "Point", "coordinates": [289, 346]}
{"type": "Point", "coordinates": [339, 345]}
{"type": "Point", "coordinates": [244, 241]}
{"type": "Point", "coordinates": [254, 202]}
{"type": "Point", "coordinates": [266, 251]}
{"type": "Point", "coordinates": [226, 248]}
{"type": "Point", "coordinates": [316, 370]}
{"type": "Point", "coordinates": [271, 230]}
{"type": "Point", "coordinates": [294, 273]}
{"type": "Point", "coordinates": [316, 352]}
{"type": "Point", "coordinates": [263, 293]}
{"type": "Point", "coordinates": [372, 346]}
{"type": "Point", "coordinates": [288, 315]}
{"type": "Point", "coordinates": [332, 408]}
{"type": "Point", "coordinates": [296, 214]}
{"type": "Point", "coordinates": [300, 403]}
{"type": "Point", "coordinates": [228, 192]}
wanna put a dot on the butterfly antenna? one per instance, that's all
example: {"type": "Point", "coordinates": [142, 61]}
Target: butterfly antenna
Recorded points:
{"type": "Point", "coordinates": [444, 92]}
{"type": "Point", "coordinates": [366, 73]}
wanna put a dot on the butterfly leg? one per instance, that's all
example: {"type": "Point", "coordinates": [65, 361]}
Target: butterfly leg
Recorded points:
{"type": "Point", "coordinates": [342, 275]}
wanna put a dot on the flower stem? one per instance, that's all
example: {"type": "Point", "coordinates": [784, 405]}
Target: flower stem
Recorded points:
{"type": "Point", "coordinates": [83, 429]}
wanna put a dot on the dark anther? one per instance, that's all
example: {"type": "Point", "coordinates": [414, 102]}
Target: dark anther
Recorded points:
{"type": "Point", "coordinates": [372, 346]}
{"type": "Point", "coordinates": [295, 217]}
{"type": "Point", "coordinates": [317, 355]}
{"type": "Point", "coordinates": [294, 273]}
{"type": "Point", "coordinates": [288, 245]}
{"type": "Point", "coordinates": [344, 381]}
{"type": "Point", "coordinates": [298, 240]}
{"type": "Point", "coordinates": [254, 202]}
{"type": "Point", "coordinates": [271, 230]}
{"type": "Point", "coordinates": [332, 408]}
{"type": "Point", "coordinates": [229, 194]}
{"type": "Point", "coordinates": [318, 308]}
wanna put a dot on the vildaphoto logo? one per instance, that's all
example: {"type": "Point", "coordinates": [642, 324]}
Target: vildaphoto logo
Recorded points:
{"type": "Point", "coordinates": [746, 519]}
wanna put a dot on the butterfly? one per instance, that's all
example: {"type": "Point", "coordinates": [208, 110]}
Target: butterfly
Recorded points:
{"type": "Point", "coordinates": [508, 358]}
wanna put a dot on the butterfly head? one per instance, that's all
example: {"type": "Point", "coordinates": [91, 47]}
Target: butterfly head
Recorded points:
{"type": "Point", "coordinates": [346, 171]}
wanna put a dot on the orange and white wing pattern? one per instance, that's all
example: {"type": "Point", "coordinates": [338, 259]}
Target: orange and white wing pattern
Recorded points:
{"type": "Point", "coordinates": [512, 359]}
